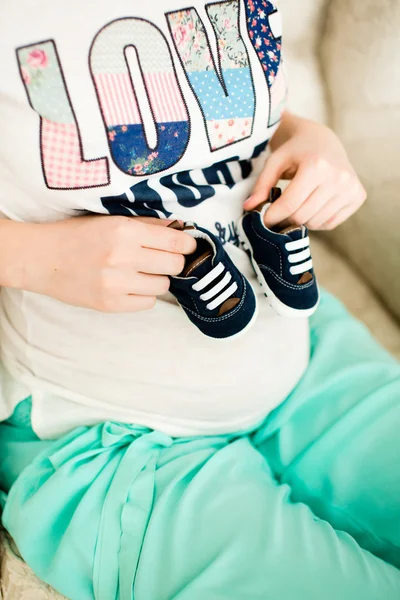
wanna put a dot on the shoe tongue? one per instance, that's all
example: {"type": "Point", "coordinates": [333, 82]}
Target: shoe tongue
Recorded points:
{"type": "Point", "coordinates": [295, 232]}
{"type": "Point", "coordinates": [274, 195]}
{"type": "Point", "coordinates": [228, 305]}
{"type": "Point", "coordinates": [179, 226]}
{"type": "Point", "coordinates": [198, 265]}
{"type": "Point", "coordinates": [305, 278]}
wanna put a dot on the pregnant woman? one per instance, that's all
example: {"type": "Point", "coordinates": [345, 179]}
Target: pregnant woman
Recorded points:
{"type": "Point", "coordinates": [140, 457]}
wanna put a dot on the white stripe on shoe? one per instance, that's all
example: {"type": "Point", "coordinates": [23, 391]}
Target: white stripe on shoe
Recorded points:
{"type": "Point", "coordinates": [297, 244]}
{"type": "Point", "coordinates": [218, 288]}
{"type": "Point", "coordinates": [224, 296]}
{"type": "Point", "coordinates": [209, 278]}
{"type": "Point", "coordinates": [299, 256]}
{"type": "Point", "coordinates": [302, 268]}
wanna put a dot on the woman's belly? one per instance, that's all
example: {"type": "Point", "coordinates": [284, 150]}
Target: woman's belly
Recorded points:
{"type": "Point", "coordinates": [152, 368]}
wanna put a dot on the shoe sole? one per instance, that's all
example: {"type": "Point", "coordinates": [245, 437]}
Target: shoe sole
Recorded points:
{"type": "Point", "coordinates": [239, 333]}
{"type": "Point", "coordinates": [282, 309]}
{"type": "Point", "coordinates": [249, 324]}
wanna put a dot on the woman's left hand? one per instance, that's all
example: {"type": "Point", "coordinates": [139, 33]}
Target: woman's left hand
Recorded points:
{"type": "Point", "coordinates": [324, 191]}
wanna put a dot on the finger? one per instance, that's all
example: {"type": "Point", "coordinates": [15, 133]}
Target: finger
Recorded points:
{"type": "Point", "coordinates": [161, 263]}
{"type": "Point", "coordinates": [128, 303]}
{"type": "Point", "coordinates": [330, 211]}
{"type": "Point", "coordinates": [275, 165]}
{"type": "Point", "coordinates": [311, 207]}
{"type": "Point", "coordinates": [144, 284]}
{"type": "Point", "coordinates": [168, 240]}
{"type": "Point", "coordinates": [338, 219]}
{"type": "Point", "coordinates": [349, 209]}
{"type": "Point", "coordinates": [294, 196]}
{"type": "Point", "coordinates": [128, 281]}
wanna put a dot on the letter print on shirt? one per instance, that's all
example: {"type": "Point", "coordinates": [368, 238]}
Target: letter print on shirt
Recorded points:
{"type": "Point", "coordinates": [118, 100]}
{"type": "Point", "coordinates": [226, 97]}
{"type": "Point", "coordinates": [161, 197]}
{"type": "Point", "coordinates": [63, 165]}
{"type": "Point", "coordinates": [264, 28]}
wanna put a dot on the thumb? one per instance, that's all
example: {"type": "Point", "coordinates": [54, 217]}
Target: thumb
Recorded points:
{"type": "Point", "coordinates": [275, 165]}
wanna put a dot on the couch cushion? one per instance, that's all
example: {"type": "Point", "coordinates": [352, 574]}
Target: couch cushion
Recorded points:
{"type": "Point", "coordinates": [361, 53]}
{"type": "Point", "coordinates": [338, 277]}
{"type": "Point", "coordinates": [18, 582]}
{"type": "Point", "coordinates": [303, 24]}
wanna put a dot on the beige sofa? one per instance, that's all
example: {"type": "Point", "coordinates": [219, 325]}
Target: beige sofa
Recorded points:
{"type": "Point", "coordinates": [342, 64]}
{"type": "Point", "coordinates": [341, 59]}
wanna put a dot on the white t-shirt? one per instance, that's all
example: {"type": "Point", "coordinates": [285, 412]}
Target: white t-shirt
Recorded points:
{"type": "Point", "coordinates": [139, 108]}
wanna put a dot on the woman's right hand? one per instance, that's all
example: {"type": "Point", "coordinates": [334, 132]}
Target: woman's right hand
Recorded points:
{"type": "Point", "coordinates": [107, 263]}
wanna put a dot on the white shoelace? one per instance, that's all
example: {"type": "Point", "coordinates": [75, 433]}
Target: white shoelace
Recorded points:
{"type": "Point", "coordinates": [220, 286]}
{"type": "Point", "coordinates": [301, 260]}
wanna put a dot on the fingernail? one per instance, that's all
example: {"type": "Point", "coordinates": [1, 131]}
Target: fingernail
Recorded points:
{"type": "Point", "coordinates": [248, 200]}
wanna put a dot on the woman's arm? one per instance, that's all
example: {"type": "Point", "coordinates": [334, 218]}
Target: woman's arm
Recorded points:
{"type": "Point", "coordinates": [112, 264]}
{"type": "Point", "coordinates": [15, 247]}
{"type": "Point", "coordinates": [325, 190]}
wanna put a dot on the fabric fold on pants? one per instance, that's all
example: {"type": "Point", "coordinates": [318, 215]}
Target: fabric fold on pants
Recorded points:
{"type": "Point", "coordinates": [303, 508]}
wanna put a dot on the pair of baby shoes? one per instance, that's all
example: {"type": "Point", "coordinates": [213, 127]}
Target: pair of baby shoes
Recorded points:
{"type": "Point", "coordinates": [220, 301]}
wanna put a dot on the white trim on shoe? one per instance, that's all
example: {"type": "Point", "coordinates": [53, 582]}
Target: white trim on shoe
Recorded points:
{"type": "Point", "coordinates": [238, 334]}
{"type": "Point", "coordinates": [279, 307]}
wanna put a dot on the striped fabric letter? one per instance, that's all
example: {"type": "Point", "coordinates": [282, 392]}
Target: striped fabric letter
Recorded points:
{"type": "Point", "coordinates": [118, 98]}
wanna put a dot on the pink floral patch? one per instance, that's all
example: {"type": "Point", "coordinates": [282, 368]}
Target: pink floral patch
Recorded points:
{"type": "Point", "coordinates": [138, 168]}
{"type": "Point", "coordinates": [229, 131]}
{"type": "Point", "coordinates": [180, 35]}
{"type": "Point", "coordinates": [37, 59]}
{"type": "Point", "coordinates": [25, 75]}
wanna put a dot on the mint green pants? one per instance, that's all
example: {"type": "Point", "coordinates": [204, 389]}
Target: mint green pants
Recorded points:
{"type": "Point", "coordinates": [307, 507]}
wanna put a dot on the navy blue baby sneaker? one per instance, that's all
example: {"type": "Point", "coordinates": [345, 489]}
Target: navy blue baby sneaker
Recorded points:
{"type": "Point", "coordinates": [216, 297]}
{"type": "Point", "coordinates": [282, 261]}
